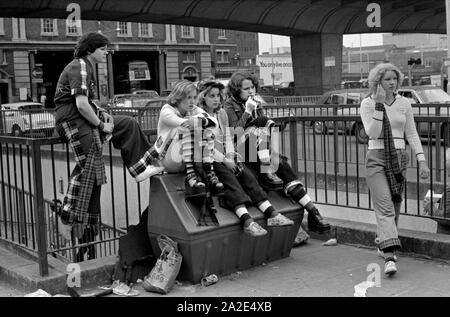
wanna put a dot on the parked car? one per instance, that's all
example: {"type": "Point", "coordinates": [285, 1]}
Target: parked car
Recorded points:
{"type": "Point", "coordinates": [350, 100]}
{"type": "Point", "coordinates": [21, 118]}
{"type": "Point", "coordinates": [165, 92]}
{"type": "Point", "coordinates": [147, 93]}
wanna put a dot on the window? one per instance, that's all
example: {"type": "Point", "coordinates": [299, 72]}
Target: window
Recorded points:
{"type": "Point", "coordinates": [2, 28]}
{"type": "Point", "coordinates": [187, 32]}
{"type": "Point", "coordinates": [73, 28]}
{"type": "Point", "coordinates": [49, 27]}
{"type": "Point", "coordinates": [124, 29]}
{"type": "Point", "coordinates": [223, 56]}
{"type": "Point", "coordinates": [188, 57]}
{"type": "Point", "coordinates": [145, 30]}
{"type": "Point", "coordinates": [222, 34]}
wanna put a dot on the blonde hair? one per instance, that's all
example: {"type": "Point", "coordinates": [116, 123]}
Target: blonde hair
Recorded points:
{"type": "Point", "coordinates": [376, 74]}
{"type": "Point", "coordinates": [180, 92]}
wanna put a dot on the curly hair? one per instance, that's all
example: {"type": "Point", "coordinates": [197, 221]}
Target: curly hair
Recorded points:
{"type": "Point", "coordinates": [376, 75]}
{"type": "Point", "coordinates": [205, 88]}
{"type": "Point", "coordinates": [235, 83]}
{"type": "Point", "coordinates": [180, 92]}
{"type": "Point", "coordinates": [88, 43]}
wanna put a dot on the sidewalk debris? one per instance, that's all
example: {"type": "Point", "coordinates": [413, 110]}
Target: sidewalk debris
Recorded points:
{"type": "Point", "coordinates": [330, 242]}
{"type": "Point", "coordinates": [361, 288]}
{"type": "Point", "coordinates": [42, 293]}
{"type": "Point", "coordinates": [124, 290]}
{"type": "Point", "coordinates": [38, 293]}
{"type": "Point", "coordinates": [209, 280]}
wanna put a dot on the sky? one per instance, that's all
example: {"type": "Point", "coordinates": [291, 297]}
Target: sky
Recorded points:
{"type": "Point", "coordinates": [348, 40]}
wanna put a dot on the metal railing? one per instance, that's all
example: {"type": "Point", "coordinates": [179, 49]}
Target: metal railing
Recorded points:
{"type": "Point", "coordinates": [331, 162]}
{"type": "Point", "coordinates": [296, 100]}
{"type": "Point", "coordinates": [33, 175]}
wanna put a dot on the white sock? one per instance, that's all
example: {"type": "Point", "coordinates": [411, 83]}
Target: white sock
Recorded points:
{"type": "Point", "coordinates": [305, 200]}
{"type": "Point", "coordinates": [264, 205]}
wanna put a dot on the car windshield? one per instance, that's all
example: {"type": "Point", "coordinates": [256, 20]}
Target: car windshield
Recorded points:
{"type": "Point", "coordinates": [434, 96]}
{"type": "Point", "coordinates": [132, 101]}
{"type": "Point", "coordinates": [30, 107]}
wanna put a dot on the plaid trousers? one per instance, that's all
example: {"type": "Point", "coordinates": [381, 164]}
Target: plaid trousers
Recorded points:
{"type": "Point", "coordinates": [82, 201]}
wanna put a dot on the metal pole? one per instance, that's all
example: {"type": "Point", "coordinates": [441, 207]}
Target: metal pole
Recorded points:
{"type": "Point", "coordinates": [447, 10]}
{"type": "Point", "coordinates": [271, 48]}
{"type": "Point", "coordinates": [360, 56]}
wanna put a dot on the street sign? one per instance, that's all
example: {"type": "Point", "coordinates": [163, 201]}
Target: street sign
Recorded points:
{"type": "Point", "coordinates": [36, 75]}
{"type": "Point", "coordinates": [37, 72]}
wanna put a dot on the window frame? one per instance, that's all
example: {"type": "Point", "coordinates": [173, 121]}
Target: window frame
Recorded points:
{"type": "Point", "coordinates": [128, 33]}
{"type": "Point", "coordinates": [54, 31]}
{"type": "Point", "coordinates": [190, 34]}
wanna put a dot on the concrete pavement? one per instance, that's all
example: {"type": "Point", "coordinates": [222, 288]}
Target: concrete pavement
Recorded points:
{"type": "Point", "coordinates": [318, 271]}
{"type": "Point", "coordinates": [310, 270]}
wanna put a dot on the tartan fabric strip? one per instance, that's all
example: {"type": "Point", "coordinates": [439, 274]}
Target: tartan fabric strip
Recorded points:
{"type": "Point", "coordinates": [90, 170]}
{"type": "Point", "coordinates": [393, 171]}
{"type": "Point", "coordinates": [392, 242]}
{"type": "Point", "coordinates": [140, 166]}
{"type": "Point", "coordinates": [207, 212]}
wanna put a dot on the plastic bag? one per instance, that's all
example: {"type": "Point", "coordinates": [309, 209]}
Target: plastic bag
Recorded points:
{"type": "Point", "coordinates": [162, 277]}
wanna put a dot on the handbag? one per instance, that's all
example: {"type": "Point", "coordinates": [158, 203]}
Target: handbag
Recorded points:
{"type": "Point", "coordinates": [162, 277]}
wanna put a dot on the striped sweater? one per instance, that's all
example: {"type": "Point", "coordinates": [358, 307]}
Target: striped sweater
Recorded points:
{"type": "Point", "coordinates": [401, 117]}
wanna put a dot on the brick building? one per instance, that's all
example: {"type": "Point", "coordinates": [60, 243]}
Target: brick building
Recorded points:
{"type": "Point", "coordinates": [33, 53]}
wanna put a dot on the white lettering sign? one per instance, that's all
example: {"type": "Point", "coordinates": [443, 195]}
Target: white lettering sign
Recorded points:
{"type": "Point", "coordinates": [74, 18]}
{"type": "Point", "coordinates": [374, 18]}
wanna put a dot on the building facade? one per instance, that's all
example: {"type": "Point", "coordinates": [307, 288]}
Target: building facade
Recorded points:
{"type": "Point", "coordinates": [33, 53]}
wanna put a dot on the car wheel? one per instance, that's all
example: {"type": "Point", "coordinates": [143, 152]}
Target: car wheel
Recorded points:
{"type": "Point", "coordinates": [318, 127]}
{"type": "Point", "coordinates": [360, 133]}
{"type": "Point", "coordinates": [16, 131]}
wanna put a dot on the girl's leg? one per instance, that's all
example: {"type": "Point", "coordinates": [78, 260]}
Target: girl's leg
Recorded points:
{"type": "Point", "coordinates": [207, 158]}
{"type": "Point", "coordinates": [137, 153]}
{"type": "Point", "coordinates": [250, 226]}
{"type": "Point", "coordinates": [194, 185]}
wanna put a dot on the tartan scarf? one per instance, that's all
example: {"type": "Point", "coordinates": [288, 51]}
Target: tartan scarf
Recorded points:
{"type": "Point", "coordinates": [392, 169]}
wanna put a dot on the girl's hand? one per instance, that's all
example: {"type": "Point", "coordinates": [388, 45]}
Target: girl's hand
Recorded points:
{"type": "Point", "coordinates": [250, 105]}
{"type": "Point", "coordinates": [230, 164]}
{"type": "Point", "coordinates": [380, 95]}
{"type": "Point", "coordinates": [424, 171]}
{"type": "Point", "coordinates": [192, 122]}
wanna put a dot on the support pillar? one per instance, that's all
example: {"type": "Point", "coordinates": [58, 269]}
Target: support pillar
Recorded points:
{"type": "Point", "coordinates": [317, 62]}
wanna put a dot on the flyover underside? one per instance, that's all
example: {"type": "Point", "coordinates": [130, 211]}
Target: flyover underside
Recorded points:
{"type": "Point", "coordinates": [284, 17]}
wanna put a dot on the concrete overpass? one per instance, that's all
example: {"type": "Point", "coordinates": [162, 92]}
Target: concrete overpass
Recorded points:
{"type": "Point", "coordinates": [315, 26]}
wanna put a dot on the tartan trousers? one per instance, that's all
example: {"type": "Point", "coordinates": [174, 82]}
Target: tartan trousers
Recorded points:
{"type": "Point", "coordinates": [82, 201]}
{"type": "Point", "coordinates": [386, 211]}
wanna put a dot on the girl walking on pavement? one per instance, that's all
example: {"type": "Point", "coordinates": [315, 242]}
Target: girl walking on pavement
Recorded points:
{"type": "Point", "coordinates": [387, 118]}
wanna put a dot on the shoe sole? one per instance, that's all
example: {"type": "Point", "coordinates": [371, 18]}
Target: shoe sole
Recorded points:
{"type": "Point", "coordinates": [285, 225]}
{"type": "Point", "coordinates": [254, 236]}
{"type": "Point", "coordinates": [390, 273]}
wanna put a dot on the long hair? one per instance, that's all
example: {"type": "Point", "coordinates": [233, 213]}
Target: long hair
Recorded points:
{"type": "Point", "coordinates": [88, 43]}
{"type": "Point", "coordinates": [235, 83]}
{"type": "Point", "coordinates": [205, 88]}
{"type": "Point", "coordinates": [376, 75]}
{"type": "Point", "coordinates": [180, 92]}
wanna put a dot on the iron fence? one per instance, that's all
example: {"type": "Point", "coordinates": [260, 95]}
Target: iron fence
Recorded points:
{"type": "Point", "coordinates": [34, 174]}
